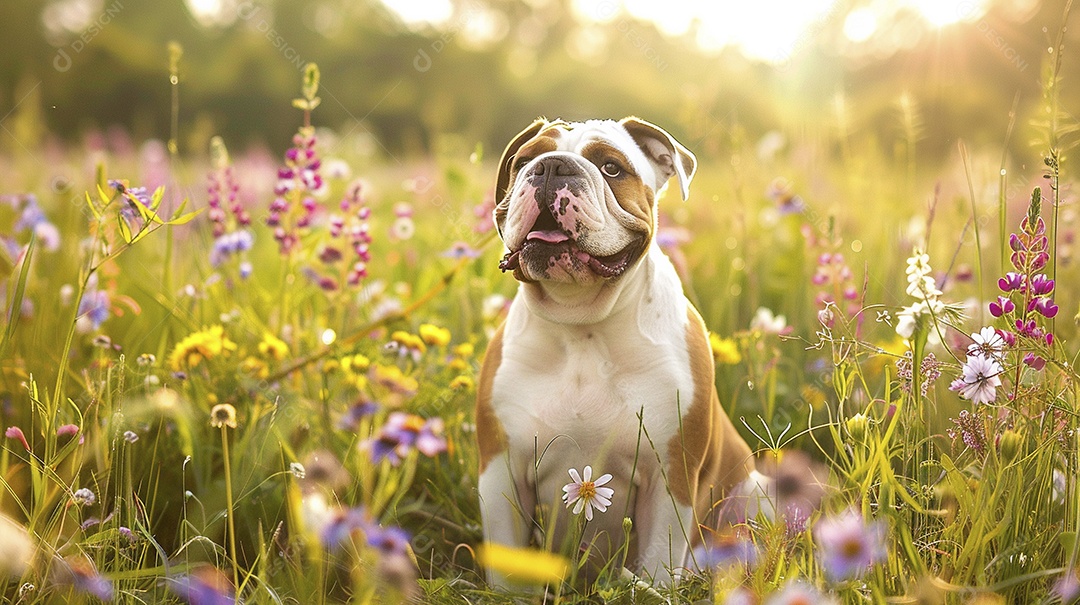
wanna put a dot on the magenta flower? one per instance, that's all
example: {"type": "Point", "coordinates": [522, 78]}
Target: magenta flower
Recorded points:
{"type": "Point", "coordinates": [67, 430]}
{"type": "Point", "coordinates": [402, 432]}
{"type": "Point", "coordinates": [848, 546]}
{"type": "Point", "coordinates": [1002, 306]}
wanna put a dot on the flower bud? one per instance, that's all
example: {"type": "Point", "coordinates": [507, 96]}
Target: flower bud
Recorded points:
{"type": "Point", "coordinates": [857, 426]}
{"type": "Point", "coordinates": [1010, 444]}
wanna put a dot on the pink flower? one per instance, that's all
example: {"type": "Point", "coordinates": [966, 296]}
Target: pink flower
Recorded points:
{"type": "Point", "coordinates": [14, 432]}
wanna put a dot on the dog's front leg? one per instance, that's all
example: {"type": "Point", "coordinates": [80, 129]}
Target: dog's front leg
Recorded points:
{"type": "Point", "coordinates": [506, 509]}
{"type": "Point", "coordinates": [664, 528]}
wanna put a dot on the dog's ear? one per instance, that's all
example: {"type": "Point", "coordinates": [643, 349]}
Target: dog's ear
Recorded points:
{"type": "Point", "coordinates": [666, 154]}
{"type": "Point", "coordinates": [506, 163]}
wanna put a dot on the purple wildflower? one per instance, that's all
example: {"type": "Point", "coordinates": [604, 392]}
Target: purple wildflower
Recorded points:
{"type": "Point", "coordinates": [970, 430]}
{"type": "Point", "coordinates": [849, 546]}
{"type": "Point", "coordinates": [299, 180]}
{"type": "Point", "coordinates": [733, 549]}
{"type": "Point", "coordinates": [86, 579]}
{"type": "Point", "coordinates": [1067, 587]}
{"type": "Point", "coordinates": [348, 252]}
{"type": "Point", "coordinates": [402, 432]}
{"type": "Point", "coordinates": [359, 410]}
{"type": "Point", "coordinates": [205, 586]}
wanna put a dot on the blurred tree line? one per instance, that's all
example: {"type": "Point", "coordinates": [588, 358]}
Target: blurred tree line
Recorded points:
{"type": "Point", "coordinates": [411, 86]}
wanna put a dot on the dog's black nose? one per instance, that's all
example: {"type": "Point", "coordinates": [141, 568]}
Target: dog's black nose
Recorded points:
{"type": "Point", "coordinates": [553, 166]}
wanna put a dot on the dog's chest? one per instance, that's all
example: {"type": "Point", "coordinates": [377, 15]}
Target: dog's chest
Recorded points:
{"type": "Point", "coordinates": [592, 389]}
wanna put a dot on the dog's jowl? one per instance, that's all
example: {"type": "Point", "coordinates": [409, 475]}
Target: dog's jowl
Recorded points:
{"type": "Point", "coordinates": [602, 361]}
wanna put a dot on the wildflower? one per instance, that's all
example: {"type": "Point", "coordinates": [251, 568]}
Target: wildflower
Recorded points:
{"type": "Point", "coordinates": [393, 379]}
{"type": "Point", "coordinates": [780, 190]}
{"type": "Point", "coordinates": [273, 347]}
{"type": "Point", "coordinates": [402, 432]}
{"type": "Point", "coordinates": [725, 351]}
{"type": "Point", "coordinates": [299, 180]}
{"type": "Point", "coordinates": [83, 497]}
{"type": "Point", "coordinates": [988, 343]}
{"type": "Point", "coordinates": [740, 596]}
{"type": "Point", "coordinates": [799, 490]}
{"type": "Point", "coordinates": [523, 565]}
{"type": "Point", "coordinates": [67, 430]}
{"type": "Point", "coordinates": [349, 250]}
{"type": "Point", "coordinates": [16, 548]}
{"type": "Point", "coordinates": [929, 372]}
{"type": "Point", "coordinates": [848, 546]}
{"type": "Point", "coordinates": [404, 344]}
{"type": "Point", "coordinates": [342, 525]}
{"type": "Point", "coordinates": [725, 550]}
{"type": "Point", "coordinates": [14, 432]}
{"type": "Point", "coordinates": [800, 593]}
{"type": "Point", "coordinates": [32, 219]}
{"type": "Point", "coordinates": [979, 380]}
{"type": "Point", "coordinates": [1067, 587]}
{"type": "Point", "coordinates": [462, 383]}
{"type": "Point", "coordinates": [434, 335]}
{"type": "Point", "coordinates": [969, 427]}
{"type": "Point", "coordinates": [323, 469]}
{"type": "Point", "coordinates": [146, 360]}
{"type": "Point", "coordinates": [205, 585]}
{"type": "Point", "coordinates": [230, 244]}
{"type": "Point", "coordinates": [464, 350]}
{"type": "Point", "coordinates": [836, 282]}
{"type": "Point", "coordinates": [389, 541]}
{"type": "Point", "coordinates": [585, 494]}
{"type": "Point", "coordinates": [922, 287]}
{"type": "Point", "coordinates": [126, 533]}
{"type": "Point", "coordinates": [297, 470]}
{"type": "Point", "coordinates": [461, 250]}
{"type": "Point", "coordinates": [86, 579]}
{"type": "Point", "coordinates": [93, 307]}
{"type": "Point", "coordinates": [223, 415]}
{"type": "Point", "coordinates": [359, 410]}
{"type": "Point", "coordinates": [197, 346]}
{"type": "Point", "coordinates": [765, 321]}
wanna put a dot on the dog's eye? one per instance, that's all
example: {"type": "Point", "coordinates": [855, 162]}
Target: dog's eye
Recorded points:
{"type": "Point", "coordinates": [611, 169]}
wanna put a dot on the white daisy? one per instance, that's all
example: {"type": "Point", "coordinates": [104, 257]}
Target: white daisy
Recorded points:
{"type": "Point", "coordinates": [979, 380]}
{"type": "Point", "coordinates": [586, 494]}
{"type": "Point", "coordinates": [988, 343]}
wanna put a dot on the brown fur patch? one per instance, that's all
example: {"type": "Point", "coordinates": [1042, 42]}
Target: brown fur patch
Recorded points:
{"type": "Point", "coordinates": [708, 456]}
{"type": "Point", "coordinates": [633, 195]}
{"type": "Point", "coordinates": [490, 435]}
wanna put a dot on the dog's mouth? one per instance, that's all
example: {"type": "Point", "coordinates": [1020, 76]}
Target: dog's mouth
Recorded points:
{"type": "Point", "coordinates": [547, 243]}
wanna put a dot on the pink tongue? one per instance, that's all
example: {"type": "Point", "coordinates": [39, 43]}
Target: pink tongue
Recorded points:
{"type": "Point", "coordinates": [551, 237]}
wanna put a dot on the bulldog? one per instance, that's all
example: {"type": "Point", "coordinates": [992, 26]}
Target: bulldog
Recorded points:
{"type": "Point", "coordinates": [602, 361]}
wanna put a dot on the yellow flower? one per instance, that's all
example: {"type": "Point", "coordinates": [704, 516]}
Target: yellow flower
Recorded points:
{"type": "Point", "coordinates": [523, 565]}
{"type": "Point", "coordinates": [394, 379]}
{"type": "Point", "coordinates": [464, 349]}
{"type": "Point", "coordinates": [273, 347]}
{"type": "Point", "coordinates": [223, 414]}
{"type": "Point", "coordinates": [255, 367]}
{"type": "Point", "coordinates": [197, 346]}
{"type": "Point", "coordinates": [408, 341]}
{"type": "Point", "coordinates": [434, 335]}
{"type": "Point", "coordinates": [458, 364]}
{"type": "Point", "coordinates": [725, 350]}
{"type": "Point", "coordinates": [355, 363]}
{"type": "Point", "coordinates": [462, 383]}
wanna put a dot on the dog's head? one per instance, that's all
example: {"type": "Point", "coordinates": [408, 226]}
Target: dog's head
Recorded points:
{"type": "Point", "coordinates": [577, 201]}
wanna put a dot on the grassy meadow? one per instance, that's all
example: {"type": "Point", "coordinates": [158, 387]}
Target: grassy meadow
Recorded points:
{"type": "Point", "coordinates": [256, 383]}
